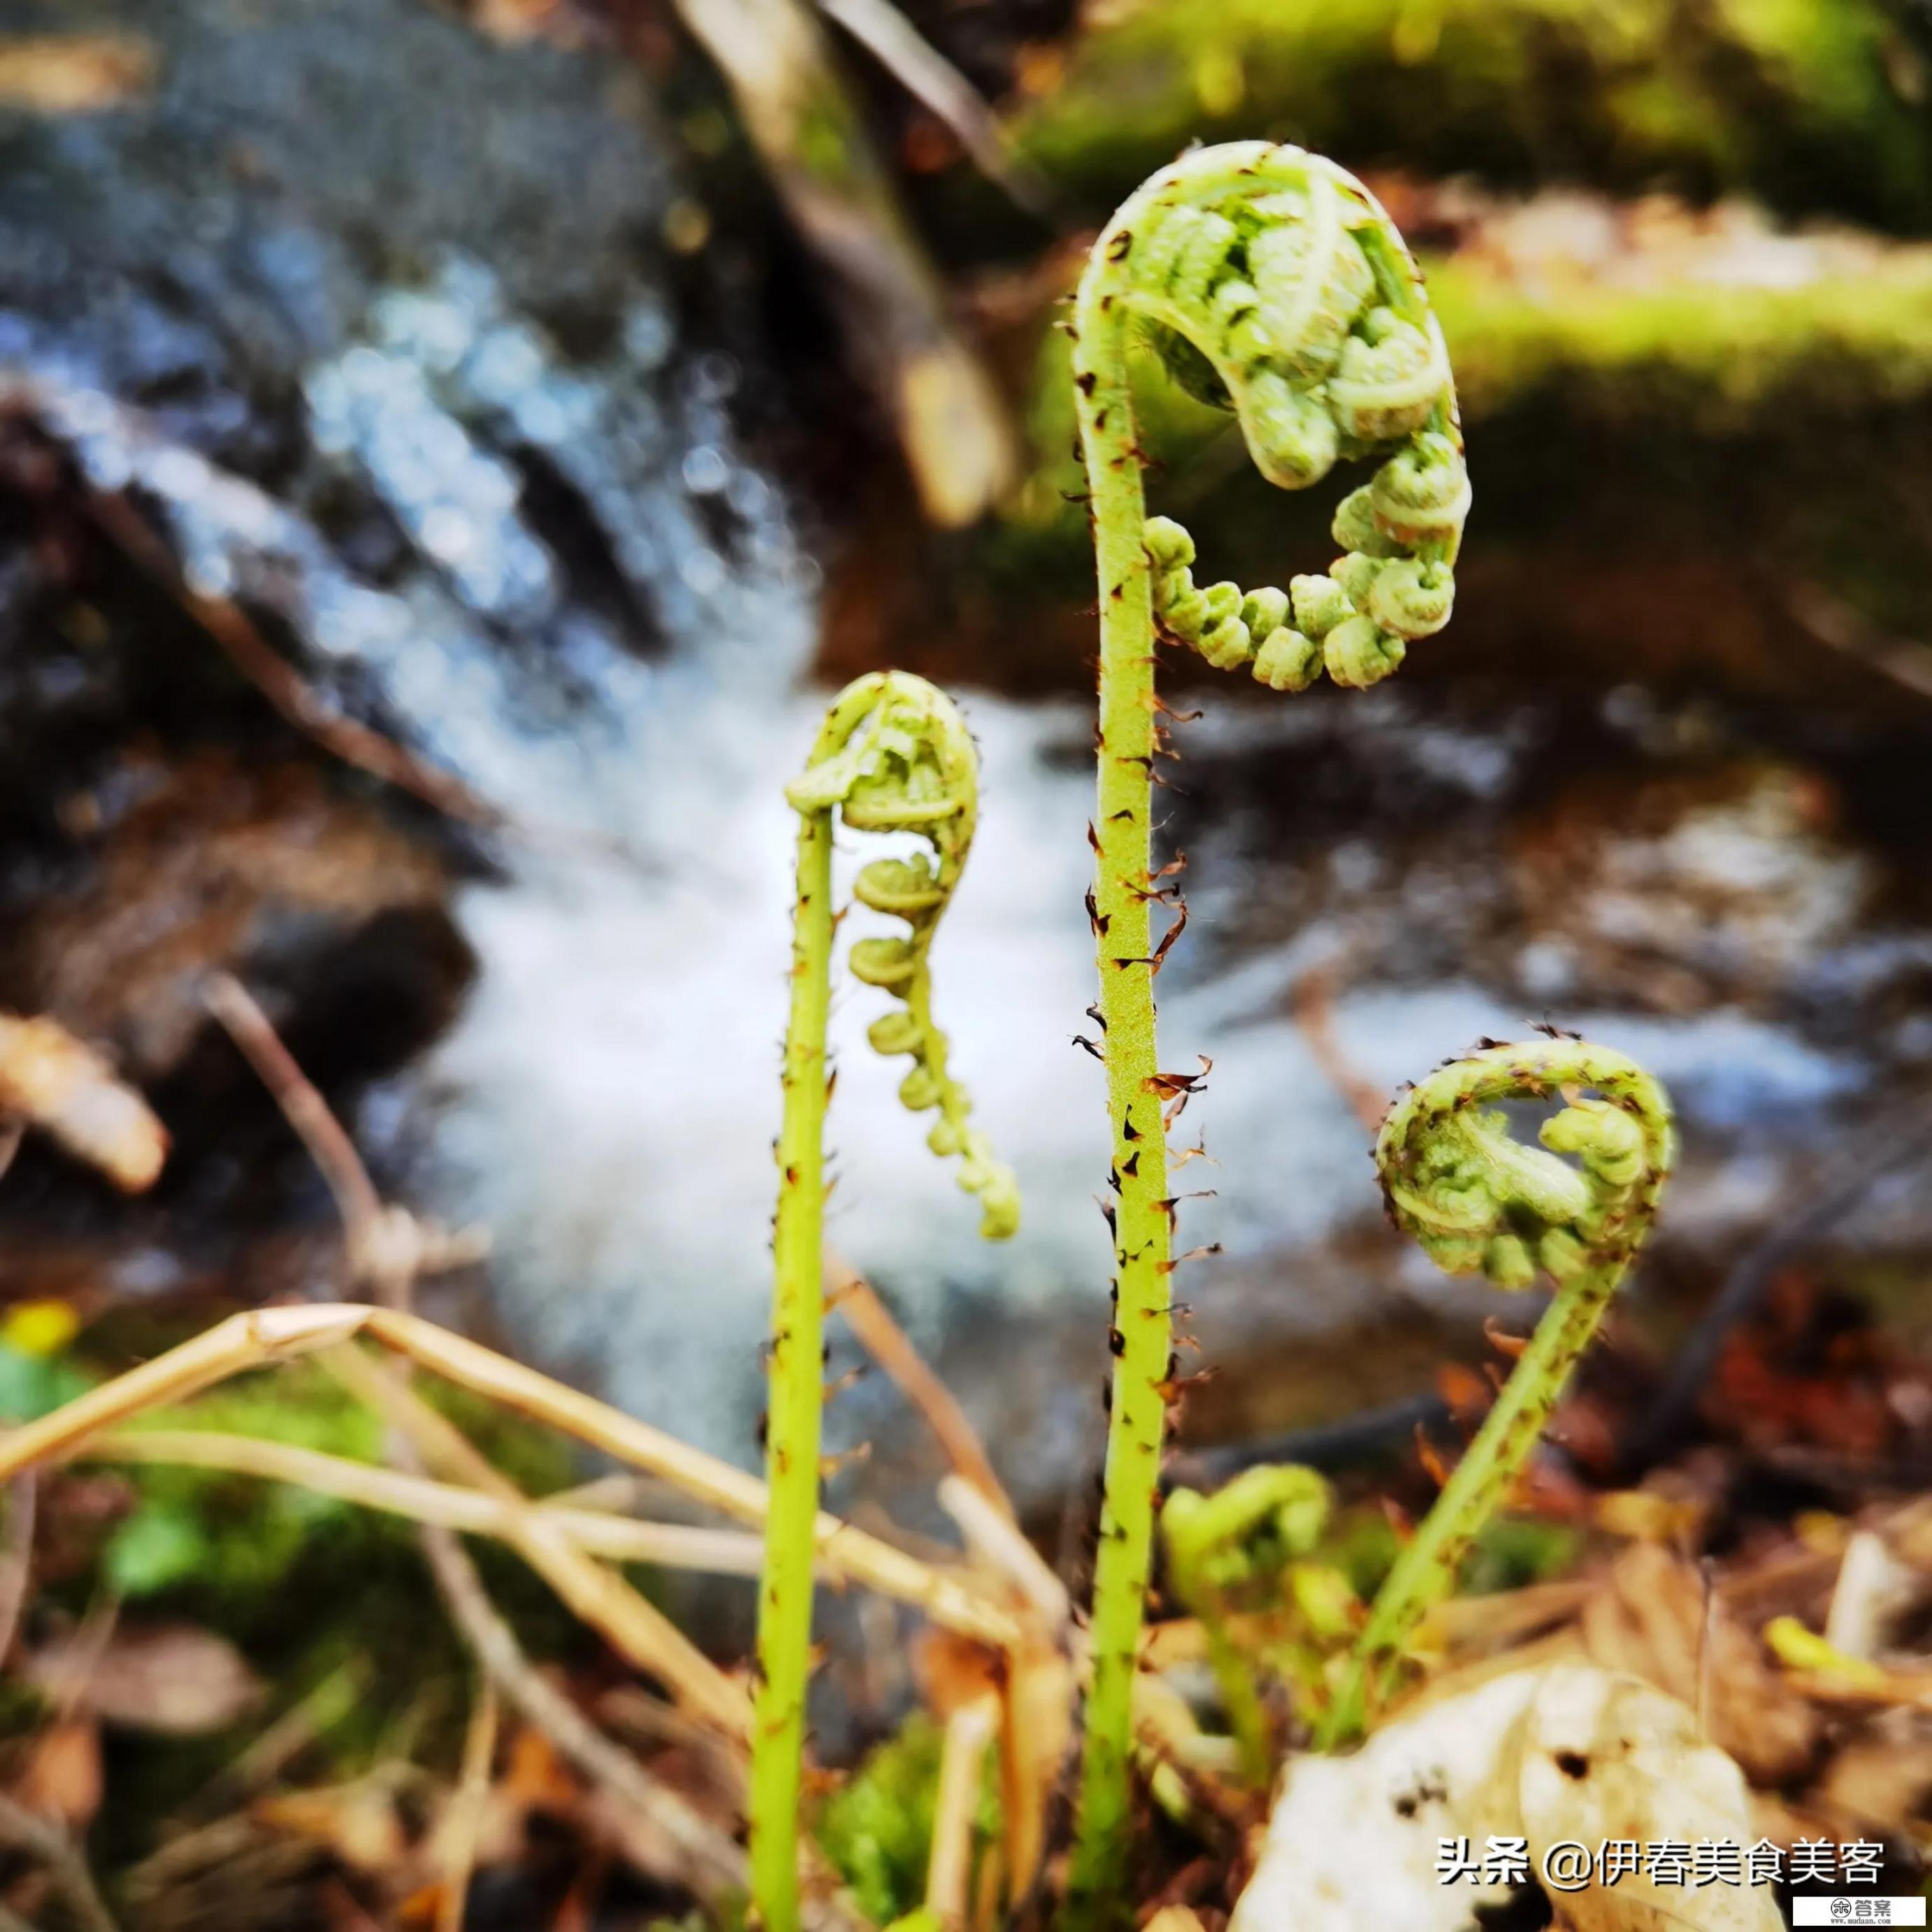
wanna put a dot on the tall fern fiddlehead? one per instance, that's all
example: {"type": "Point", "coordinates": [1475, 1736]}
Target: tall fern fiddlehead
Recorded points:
{"type": "Point", "coordinates": [893, 755]}
{"type": "Point", "coordinates": [1268, 280]}
{"type": "Point", "coordinates": [1479, 1201]}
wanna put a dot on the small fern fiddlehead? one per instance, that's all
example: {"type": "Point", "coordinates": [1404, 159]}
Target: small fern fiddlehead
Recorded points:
{"type": "Point", "coordinates": [1269, 281]}
{"type": "Point", "coordinates": [894, 756]}
{"type": "Point", "coordinates": [1479, 1201]}
{"type": "Point", "coordinates": [1247, 1531]}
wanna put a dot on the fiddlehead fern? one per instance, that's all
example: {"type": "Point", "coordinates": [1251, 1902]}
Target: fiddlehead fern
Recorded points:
{"type": "Point", "coordinates": [893, 755]}
{"type": "Point", "coordinates": [1248, 1530]}
{"type": "Point", "coordinates": [1479, 1201]}
{"type": "Point", "coordinates": [1270, 281]}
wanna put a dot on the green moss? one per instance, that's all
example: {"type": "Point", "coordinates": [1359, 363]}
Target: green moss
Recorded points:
{"type": "Point", "coordinates": [537, 1459]}
{"type": "Point", "coordinates": [1514, 1552]}
{"type": "Point", "coordinates": [1713, 359]}
{"type": "Point", "coordinates": [1809, 104]}
{"type": "Point", "coordinates": [226, 1545]}
{"type": "Point", "coordinates": [1363, 1545]}
{"type": "Point", "coordinates": [1511, 1552]}
{"type": "Point", "coordinates": [31, 1385]}
{"type": "Point", "coordinates": [228, 1542]}
{"type": "Point", "coordinates": [298, 1404]}
{"type": "Point", "coordinates": [877, 1828]}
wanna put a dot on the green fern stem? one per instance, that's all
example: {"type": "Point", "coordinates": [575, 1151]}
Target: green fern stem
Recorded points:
{"type": "Point", "coordinates": [893, 756]}
{"type": "Point", "coordinates": [1479, 1202]}
{"type": "Point", "coordinates": [1142, 1329]}
{"type": "Point", "coordinates": [795, 1395]}
{"type": "Point", "coordinates": [1270, 282]}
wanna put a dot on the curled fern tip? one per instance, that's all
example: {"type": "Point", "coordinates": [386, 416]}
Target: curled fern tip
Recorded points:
{"type": "Point", "coordinates": [894, 755]}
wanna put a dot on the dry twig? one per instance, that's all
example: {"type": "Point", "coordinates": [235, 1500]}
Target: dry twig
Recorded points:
{"type": "Point", "coordinates": [636, 1628]}
{"type": "Point", "coordinates": [464, 1818]}
{"type": "Point", "coordinates": [952, 425]}
{"type": "Point", "coordinates": [1832, 622]}
{"type": "Point", "coordinates": [1312, 1001]}
{"type": "Point", "coordinates": [389, 1248]}
{"type": "Point", "coordinates": [650, 1823]}
{"type": "Point", "coordinates": [969, 1731]}
{"type": "Point", "coordinates": [258, 1338]}
{"type": "Point", "coordinates": [55, 1850]}
{"type": "Point", "coordinates": [932, 79]}
{"type": "Point", "coordinates": [277, 680]}
{"type": "Point", "coordinates": [996, 1540]}
{"type": "Point", "coordinates": [265, 1757]}
{"type": "Point", "coordinates": [16, 1565]}
{"type": "Point", "coordinates": [670, 1546]}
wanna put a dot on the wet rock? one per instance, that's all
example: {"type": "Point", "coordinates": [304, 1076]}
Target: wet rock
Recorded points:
{"type": "Point", "coordinates": [385, 335]}
{"type": "Point", "coordinates": [183, 868]}
{"type": "Point", "coordinates": [1624, 853]}
{"type": "Point", "coordinates": [1732, 886]}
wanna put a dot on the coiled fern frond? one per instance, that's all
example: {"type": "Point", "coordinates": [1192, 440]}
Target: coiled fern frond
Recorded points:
{"type": "Point", "coordinates": [1478, 1201]}
{"type": "Point", "coordinates": [1270, 282]}
{"type": "Point", "coordinates": [1219, 1547]}
{"type": "Point", "coordinates": [1576, 1207]}
{"type": "Point", "coordinates": [894, 755]}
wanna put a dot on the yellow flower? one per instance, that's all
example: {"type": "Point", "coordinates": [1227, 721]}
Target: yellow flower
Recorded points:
{"type": "Point", "coordinates": [39, 1327]}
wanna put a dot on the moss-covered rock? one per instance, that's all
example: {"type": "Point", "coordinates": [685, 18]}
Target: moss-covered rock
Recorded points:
{"type": "Point", "coordinates": [1809, 104]}
{"type": "Point", "coordinates": [232, 1540]}
{"type": "Point", "coordinates": [1709, 358]}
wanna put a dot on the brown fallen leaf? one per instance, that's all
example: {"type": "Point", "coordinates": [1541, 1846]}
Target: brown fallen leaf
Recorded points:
{"type": "Point", "coordinates": [73, 74]}
{"type": "Point", "coordinates": [1653, 1620]}
{"type": "Point", "coordinates": [534, 1778]}
{"type": "Point", "coordinates": [64, 1087]}
{"type": "Point", "coordinates": [1034, 1682]}
{"type": "Point", "coordinates": [62, 1777]}
{"type": "Point", "coordinates": [1881, 1782]}
{"type": "Point", "coordinates": [952, 1671]}
{"type": "Point", "coordinates": [1035, 1737]}
{"type": "Point", "coordinates": [358, 1822]}
{"type": "Point", "coordinates": [171, 1677]}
